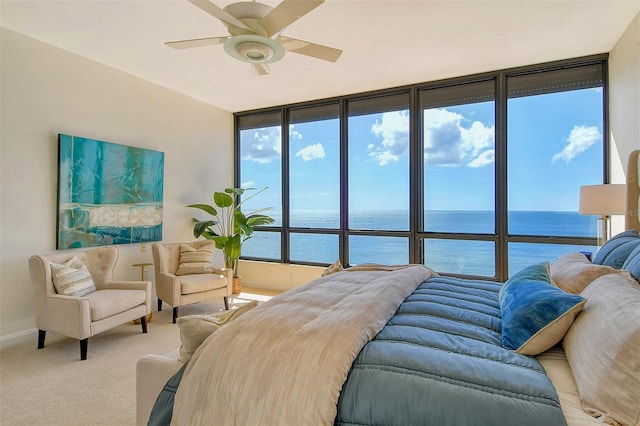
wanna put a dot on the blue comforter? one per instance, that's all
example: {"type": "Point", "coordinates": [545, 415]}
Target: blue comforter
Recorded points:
{"type": "Point", "coordinates": [439, 360]}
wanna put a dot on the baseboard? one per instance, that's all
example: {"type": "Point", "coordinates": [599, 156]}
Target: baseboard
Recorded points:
{"type": "Point", "coordinates": [17, 338]}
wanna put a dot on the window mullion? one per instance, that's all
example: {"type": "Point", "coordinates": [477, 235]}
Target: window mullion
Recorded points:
{"type": "Point", "coordinates": [284, 140]}
{"type": "Point", "coordinates": [501, 204]}
{"type": "Point", "coordinates": [344, 183]}
{"type": "Point", "coordinates": [416, 178]}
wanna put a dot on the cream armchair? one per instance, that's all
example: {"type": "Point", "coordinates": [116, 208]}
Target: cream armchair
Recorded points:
{"type": "Point", "coordinates": [180, 290]}
{"type": "Point", "coordinates": [112, 303]}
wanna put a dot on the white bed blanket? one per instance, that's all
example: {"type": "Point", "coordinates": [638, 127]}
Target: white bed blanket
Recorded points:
{"type": "Point", "coordinates": [284, 362]}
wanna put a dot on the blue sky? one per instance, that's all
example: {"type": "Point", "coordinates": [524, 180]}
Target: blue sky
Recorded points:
{"type": "Point", "coordinates": [554, 147]}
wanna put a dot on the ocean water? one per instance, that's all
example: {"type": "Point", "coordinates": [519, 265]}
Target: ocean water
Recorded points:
{"type": "Point", "coordinates": [443, 255]}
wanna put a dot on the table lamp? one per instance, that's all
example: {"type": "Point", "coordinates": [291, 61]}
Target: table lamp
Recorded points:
{"type": "Point", "coordinates": [604, 200]}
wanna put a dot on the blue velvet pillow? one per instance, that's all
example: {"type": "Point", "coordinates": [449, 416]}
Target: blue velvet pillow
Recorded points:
{"type": "Point", "coordinates": [535, 314]}
{"type": "Point", "coordinates": [616, 251]}
{"type": "Point", "coordinates": [632, 264]}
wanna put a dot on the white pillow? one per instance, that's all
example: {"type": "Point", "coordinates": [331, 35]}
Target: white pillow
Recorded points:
{"type": "Point", "coordinates": [603, 349]}
{"type": "Point", "coordinates": [72, 278]}
{"type": "Point", "coordinates": [194, 329]}
{"type": "Point", "coordinates": [573, 272]}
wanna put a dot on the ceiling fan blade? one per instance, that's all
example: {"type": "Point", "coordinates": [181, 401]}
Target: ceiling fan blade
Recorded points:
{"type": "Point", "coordinates": [310, 49]}
{"type": "Point", "coordinates": [285, 13]}
{"type": "Point", "coordinates": [216, 12]}
{"type": "Point", "coordinates": [260, 69]}
{"type": "Point", "coordinates": [197, 42]}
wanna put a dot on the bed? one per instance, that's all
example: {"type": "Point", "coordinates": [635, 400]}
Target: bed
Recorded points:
{"type": "Point", "coordinates": [378, 344]}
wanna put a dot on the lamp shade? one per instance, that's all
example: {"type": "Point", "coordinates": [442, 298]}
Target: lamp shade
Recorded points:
{"type": "Point", "coordinates": [608, 199]}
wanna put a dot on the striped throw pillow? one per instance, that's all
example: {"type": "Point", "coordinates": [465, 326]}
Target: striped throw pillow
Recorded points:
{"type": "Point", "coordinates": [195, 261]}
{"type": "Point", "coordinates": [72, 278]}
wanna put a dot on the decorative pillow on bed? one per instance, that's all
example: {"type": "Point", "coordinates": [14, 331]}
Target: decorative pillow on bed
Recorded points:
{"type": "Point", "coordinates": [333, 268]}
{"type": "Point", "coordinates": [603, 349]}
{"type": "Point", "coordinates": [535, 314]}
{"type": "Point", "coordinates": [616, 251]}
{"type": "Point", "coordinates": [72, 278]}
{"type": "Point", "coordinates": [194, 329]}
{"type": "Point", "coordinates": [573, 272]}
{"type": "Point", "coordinates": [195, 261]}
{"type": "Point", "coordinates": [632, 264]}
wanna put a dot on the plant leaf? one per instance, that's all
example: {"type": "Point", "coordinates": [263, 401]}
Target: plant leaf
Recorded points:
{"type": "Point", "coordinates": [232, 247]}
{"type": "Point", "coordinates": [265, 209]}
{"type": "Point", "coordinates": [201, 227]}
{"type": "Point", "coordinates": [252, 195]}
{"type": "Point", "coordinates": [220, 241]}
{"type": "Point", "coordinates": [239, 221]}
{"type": "Point", "coordinates": [244, 230]}
{"type": "Point", "coordinates": [237, 191]}
{"type": "Point", "coordinates": [222, 199]}
{"type": "Point", "coordinates": [207, 208]}
{"type": "Point", "coordinates": [259, 219]}
{"type": "Point", "coordinates": [209, 235]}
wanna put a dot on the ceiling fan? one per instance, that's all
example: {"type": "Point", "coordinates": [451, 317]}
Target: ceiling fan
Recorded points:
{"type": "Point", "coordinates": [254, 32]}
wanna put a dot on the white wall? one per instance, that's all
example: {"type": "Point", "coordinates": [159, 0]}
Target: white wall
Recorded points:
{"type": "Point", "coordinates": [624, 105]}
{"type": "Point", "coordinates": [276, 276]}
{"type": "Point", "coordinates": [46, 91]}
{"type": "Point", "coordinates": [624, 101]}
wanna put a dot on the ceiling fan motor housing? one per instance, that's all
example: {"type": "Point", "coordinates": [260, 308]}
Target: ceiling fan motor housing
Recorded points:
{"type": "Point", "coordinates": [248, 9]}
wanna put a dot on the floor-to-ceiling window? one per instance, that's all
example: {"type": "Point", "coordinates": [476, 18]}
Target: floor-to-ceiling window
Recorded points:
{"type": "Point", "coordinates": [555, 129]}
{"type": "Point", "coordinates": [458, 152]}
{"type": "Point", "coordinates": [474, 176]}
{"type": "Point", "coordinates": [314, 183]}
{"type": "Point", "coordinates": [260, 139]}
{"type": "Point", "coordinates": [378, 179]}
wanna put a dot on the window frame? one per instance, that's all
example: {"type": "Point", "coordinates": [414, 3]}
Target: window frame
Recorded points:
{"type": "Point", "coordinates": [501, 238]}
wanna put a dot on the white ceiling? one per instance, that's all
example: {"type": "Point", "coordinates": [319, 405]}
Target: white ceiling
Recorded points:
{"type": "Point", "coordinates": [386, 43]}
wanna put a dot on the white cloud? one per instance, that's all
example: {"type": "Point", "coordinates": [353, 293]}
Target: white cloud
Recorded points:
{"type": "Point", "coordinates": [448, 143]}
{"type": "Point", "coordinates": [263, 147]}
{"type": "Point", "coordinates": [293, 133]}
{"type": "Point", "coordinates": [484, 159]}
{"type": "Point", "coordinates": [580, 139]}
{"type": "Point", "coordinates": [394, 131]}
{"type": "Point", "coordinates": [311, 152]}
{"type": "Point", "coordinates": [248, 184]}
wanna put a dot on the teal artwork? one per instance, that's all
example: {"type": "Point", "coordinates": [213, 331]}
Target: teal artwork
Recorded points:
{"type": "Point", "coordinates": [107, 193]}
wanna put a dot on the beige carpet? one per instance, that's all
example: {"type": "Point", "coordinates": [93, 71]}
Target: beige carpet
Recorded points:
{"type": "Point", "coordinates": [53, 387]}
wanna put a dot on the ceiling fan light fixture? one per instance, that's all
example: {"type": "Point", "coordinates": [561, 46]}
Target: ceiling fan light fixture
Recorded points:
{"type": "Point", "coordinates": [254, 49]}
{"type": "Point", "coordinates": [254, 52]}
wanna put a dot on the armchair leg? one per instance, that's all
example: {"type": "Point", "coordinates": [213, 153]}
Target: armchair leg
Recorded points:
{"type": "Point", "coordinates": [159, 304]}
{"type": "Point", "coordinates": [226, 303]}
{"type": "Point", "coordinates": [143, 321]}
{"type": "Point", "coordinates": [175, 314]}
{"type": "Point", "coordinates": [84, 344]}
{"type": "Point", "coordinates": [41, 335]}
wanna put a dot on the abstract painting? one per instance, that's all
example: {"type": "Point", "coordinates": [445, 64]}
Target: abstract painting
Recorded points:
{"type": "Point", "coordinates": [107, 193]}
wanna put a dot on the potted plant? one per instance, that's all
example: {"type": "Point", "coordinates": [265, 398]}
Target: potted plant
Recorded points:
{"type": "Point", "coordinates": [231, 227]}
